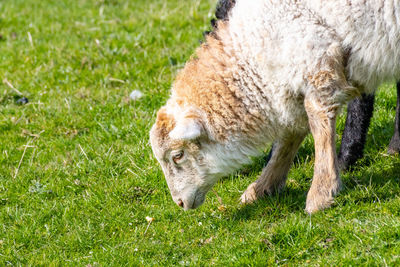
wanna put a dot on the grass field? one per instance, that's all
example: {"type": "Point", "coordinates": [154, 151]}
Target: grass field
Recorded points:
{"type": "Point", "coordinates": [77, 175]}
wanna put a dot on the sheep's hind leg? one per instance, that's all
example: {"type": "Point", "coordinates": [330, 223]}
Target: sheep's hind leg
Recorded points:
{"type": "Point", "coordinates": [273, 176]}
{"type": "Point", "coordinates": [394, 146]}
{"type": "Point", "coordinates": [359, 113]}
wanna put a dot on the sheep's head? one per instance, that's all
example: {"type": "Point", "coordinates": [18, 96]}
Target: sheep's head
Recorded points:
{"type": "Point", "coordinates": [180, 141]}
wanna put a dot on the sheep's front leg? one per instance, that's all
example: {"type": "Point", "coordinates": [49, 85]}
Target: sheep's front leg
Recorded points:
{"type": "Point", "coordinates": [273, 176]}
{"type": "Point", "coordinates": [326, 181]}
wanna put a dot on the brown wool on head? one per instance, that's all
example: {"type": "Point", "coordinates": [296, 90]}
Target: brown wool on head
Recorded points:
{"type": "Point", "coordinates": [207, 82]}
{"type": "Point", "coordinates": [165, 122]}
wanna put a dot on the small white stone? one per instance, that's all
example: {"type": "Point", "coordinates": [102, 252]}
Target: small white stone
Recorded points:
{"type": "Point", "coordinates": [136, 94]}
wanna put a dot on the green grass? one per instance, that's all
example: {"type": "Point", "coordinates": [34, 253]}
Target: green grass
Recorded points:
{"type": "Point", "coordinates": [77, 175]}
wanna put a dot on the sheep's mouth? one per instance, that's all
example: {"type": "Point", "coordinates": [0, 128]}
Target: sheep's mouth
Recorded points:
{"type": "Point", "coordinates": [196, 202]}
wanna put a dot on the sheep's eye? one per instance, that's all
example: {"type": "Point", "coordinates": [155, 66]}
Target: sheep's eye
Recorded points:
{"type": "Point", "coordinates": [177, 157]}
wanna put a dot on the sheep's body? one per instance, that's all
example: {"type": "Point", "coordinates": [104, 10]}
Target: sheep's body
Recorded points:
{"type": "Point", "coordinates": [273, 74]}
{"type": "Point", "coordinates": [272, 71]}
{"type": "Point", "coordinates": [370, 30]}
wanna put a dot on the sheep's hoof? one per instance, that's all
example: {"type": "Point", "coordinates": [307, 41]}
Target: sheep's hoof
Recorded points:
{"type": "Point", "coordinates": [317, 201]}
{"type": "Point", "coordinates": [394, 146]}
{"type": "Point", "coordinates": [392, 151]}
{"type": "Point", "coordinates": [345, 164]}
{"type": "Point", "coordinates": [250, 195]}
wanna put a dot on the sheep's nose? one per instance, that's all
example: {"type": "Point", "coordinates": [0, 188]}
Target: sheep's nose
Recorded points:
{"type": "Point", "coordinates": [180, 203]}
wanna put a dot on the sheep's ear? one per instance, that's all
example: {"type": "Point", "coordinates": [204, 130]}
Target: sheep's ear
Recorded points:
{"type": "Point", "coordinates": [187, 129]}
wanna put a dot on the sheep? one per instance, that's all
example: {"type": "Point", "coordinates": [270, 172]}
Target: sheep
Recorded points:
{"type": "Point", "coordinates": [359, 113]}
{"type": "Point", "coordinates": [273, 72]}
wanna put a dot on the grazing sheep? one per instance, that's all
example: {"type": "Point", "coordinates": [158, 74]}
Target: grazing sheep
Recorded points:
{"type": "Point", "coordinates": [271, 73]}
